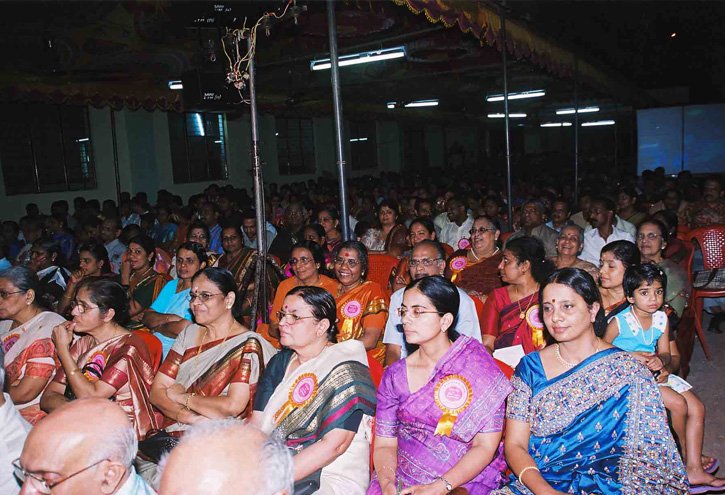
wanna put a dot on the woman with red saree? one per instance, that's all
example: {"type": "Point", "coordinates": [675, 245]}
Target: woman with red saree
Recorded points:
{"type": "Point", "coordinates": [25, 333]}
{"type": "Point", "coordinates": [108, 361]}
{"type": "Point", "coordinates": [214, 365]}
{"type": "Point", "coordinates": [476, 270]}
{"type": "Point", "coordinates": [511, 314]}
{"type": "Point", "coordinates": [362, 306]}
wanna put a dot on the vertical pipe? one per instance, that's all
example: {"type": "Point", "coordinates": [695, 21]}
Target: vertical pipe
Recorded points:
{"type": "Point", "coordinates": [337, 106]}
{"type": "Point", "coordinates": [682, 145]}
{"type": "Point", "coordinates": [115, 156]}
{"type": "Point", "coordinates": [576, 129]}
{"type": "Point", "coordinates": [616, 139]}
{"type": "Point", "coordinates": [506, 123]}
{"type": "Point", "coordinates": [62, 149]}
{"type": "Point", "coordinates": [260, 279]}
{"type": "Point", "coordinates": [32, 151]}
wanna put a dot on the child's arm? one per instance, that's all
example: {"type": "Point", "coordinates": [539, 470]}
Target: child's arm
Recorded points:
{"type": "Point", "coordinates": [663, 357]}
{"type": "Point", "coordinates": [612, 331]}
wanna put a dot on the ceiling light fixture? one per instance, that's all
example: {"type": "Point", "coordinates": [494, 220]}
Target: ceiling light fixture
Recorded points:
{"type": "Point", "coordinates": [673, 35]}
{"type": "Point", "coordinates": [597, 123]}
{"type": "Point", "coordinates": [175, 85]}
{"type": "Point", "coordinates": [360, 58]}
{"type": "Point", "coordinates": [556, 124]}
{"type": "Point", "coordinates": [413, 104]}
{"type": "Point", "coordinates": [82, 140]}
{"type": "Point", "coordinates": [569, 111]}
{"type": "Point", "coordinates": [355, 140]}
{"type": "Point", "coordinates": [511, 115]}
{"type": "Point", "coordinates": [536, 93]}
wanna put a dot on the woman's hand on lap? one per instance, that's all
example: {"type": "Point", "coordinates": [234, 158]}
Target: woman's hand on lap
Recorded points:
{"type": "Point", "coordinates": [438, 487]}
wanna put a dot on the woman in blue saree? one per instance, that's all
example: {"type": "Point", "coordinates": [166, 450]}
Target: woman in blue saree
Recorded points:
{"type": "Point", "coordinates": [584, 416]}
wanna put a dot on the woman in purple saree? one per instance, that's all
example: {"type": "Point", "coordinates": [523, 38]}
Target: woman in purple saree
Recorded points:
{"type": "Point", "coordinates": [440, 411]}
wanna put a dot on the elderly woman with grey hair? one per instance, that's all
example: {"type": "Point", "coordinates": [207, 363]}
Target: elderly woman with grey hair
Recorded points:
{"type": "Point", "coordinates": [569, 246]}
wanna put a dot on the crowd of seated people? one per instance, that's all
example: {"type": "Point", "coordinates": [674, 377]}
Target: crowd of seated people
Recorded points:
{"type": "Point", "coordinates": [139, 331]}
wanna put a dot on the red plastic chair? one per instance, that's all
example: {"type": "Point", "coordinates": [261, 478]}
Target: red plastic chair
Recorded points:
{"type": "Point", "coordinates": [379, 268]}
{"type": "Point", "coordinates": [447, 248]}
{"type": "Point", "coordinates": [507, 370]}
{"type": "Point", "coordinates": [376, 370]}
{"type": "Point", "coordinates": [155, 348]}
{"type": "Point", "coordinates": [712, 243]}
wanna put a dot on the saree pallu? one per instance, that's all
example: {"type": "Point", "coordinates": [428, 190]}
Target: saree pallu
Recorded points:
{"type": "Point", "coordinates": [431, 439]}
{"type": "Point", "coordinates": [210, 369]}
{"type": "Point", "coordinates": [124, 363]}
{"type": "Point", "coordinates": [517, 323]}
{"type": "Point", "coordinates": [146, 290]}
{"type": "Point", "coordinates": [29, 351]}
{"type": "Point", "coordinates": [599, 428]}
{"type": "Point", "coordinates": [615, 309]}
{"type": "Point", "coordinates": [319, 396]}
{"type": "Point", "coordinates": [363, 307]}
{"type": "Point", "coordinates": [482, 277]}
{"type": "Point", "coordinates": [244, 267]}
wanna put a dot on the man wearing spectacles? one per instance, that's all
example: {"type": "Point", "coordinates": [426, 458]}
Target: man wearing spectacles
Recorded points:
{"type": "Point", "coordinates": [428, 259]}
{"type": "Point", "coordinates": [86, 447]}
{"type": "Point", "coordinates": [13, 431]}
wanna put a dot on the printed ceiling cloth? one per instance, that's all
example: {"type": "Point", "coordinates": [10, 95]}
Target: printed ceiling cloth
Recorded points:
{"type": "Point", "coordinates": [483, 22]}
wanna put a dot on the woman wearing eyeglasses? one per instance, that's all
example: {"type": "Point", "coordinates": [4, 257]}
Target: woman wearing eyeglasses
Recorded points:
{"type": "Point", "coordinates": [170, 313]}
{"type": "Point", "coordinates": [362, 306]}
{"type": "Point", "coordinates": [475, 270]}
{"type": "Point", "coordinates": [107, 361]}
{"type": "Point", "coordinates": [213, 366]}
{"type": "Point", "coordinates": [315, 395]}
{"type": "Point", "coordinates": [306, 262]}
{"type": "Point", "coordinates": [25, 331]}
{"type": "Point", "coordinates": [440, 413]}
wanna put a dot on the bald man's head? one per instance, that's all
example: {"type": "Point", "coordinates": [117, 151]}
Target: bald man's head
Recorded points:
{"type": "Point", "coordinates": [227, 456]}
{"type": "Point", "coordinates": [86, 433]}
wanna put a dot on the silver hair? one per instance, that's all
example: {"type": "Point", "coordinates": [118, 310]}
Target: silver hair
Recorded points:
{"type": "Point", "coordinates": [119, 444]}
{"type": "Point", "coordinates": [569, 224]}
{"type": "Point", "coordinates": [275, 458]}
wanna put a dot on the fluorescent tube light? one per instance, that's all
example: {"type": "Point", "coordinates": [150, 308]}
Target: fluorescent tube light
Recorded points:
{"type": "Point", "coordinates": [569, 111]}
{"type": "Point", "coordinates": [360, 58]}
{"type": "Point", "coordinates": [82, 140]}
{"type": "Point", "coordinates": [218, 141]}
{"type": "Point", "coordinates": [391, 105]}
{"type": "Point", "coordinates": [597, 123]}
{"type": "Point", "coordinates": [175, 85]}
{"type": "Point", "coordinates": [422, 103]}
{"type": "Point", "coordinates": [536, 93]}
{"type": "Point", "coordinates": [354, 140]}
{"type": "Point", "coordinates": [556, 124]}
{"type": "Point", "coordinates": [511, 115]}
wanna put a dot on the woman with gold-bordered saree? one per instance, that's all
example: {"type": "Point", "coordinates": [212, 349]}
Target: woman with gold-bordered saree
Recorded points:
{"type": "Point", "coordinates": [598, 428]}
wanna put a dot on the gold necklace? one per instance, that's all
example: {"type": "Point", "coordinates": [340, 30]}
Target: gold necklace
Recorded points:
{"type": "Point", "coordinates": [566, 363]}
{"type": "Point", "coordinates": [522, 314]}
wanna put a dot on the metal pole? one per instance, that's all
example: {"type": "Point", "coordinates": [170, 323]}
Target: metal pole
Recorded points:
{"type": "Point", "coordinates": [506, 123]}
{"type": "Point", "coordinates": [260, 280]}
{"type": "Point", "coordinates": [337, 105]}
{"type": "Point", "coordinates": [115, 157]}
{"type": "Point", "coordinates": [576, 129]}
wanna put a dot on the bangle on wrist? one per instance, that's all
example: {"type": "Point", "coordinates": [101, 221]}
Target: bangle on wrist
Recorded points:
{"type": "Point", "coordinates": [189, 396]}
{"type": "Point", "coordinates": [178, 413]}
{"type": "Point", "coordinates": [526, 469]}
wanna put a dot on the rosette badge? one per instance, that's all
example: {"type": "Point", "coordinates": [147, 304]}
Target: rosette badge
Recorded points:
{"type": "Point", "coordinates": [301, 393]}
{"type": "Point", "coordinates": [453, 395]}
{"type": "Point", "coordinates": [457, 265]}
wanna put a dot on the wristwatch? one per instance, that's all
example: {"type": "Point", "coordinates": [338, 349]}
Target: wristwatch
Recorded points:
{"type": "Point", "coordinates": [449, 487]}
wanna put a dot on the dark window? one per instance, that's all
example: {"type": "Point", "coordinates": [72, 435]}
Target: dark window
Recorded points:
{"type": "Point", "coordinates": [198, 146]}
{"type": "Point", "coordinates": [295, 146]}
{"type": "Point", "coordinates": [363, 152]}
{"type": "Point", "coordinates": [45, 148]}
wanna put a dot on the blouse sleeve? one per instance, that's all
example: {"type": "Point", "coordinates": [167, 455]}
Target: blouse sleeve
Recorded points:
{"type": "Point", "coordinates": [490, 316]}
{"type": "Point", "coordinates": [248, 371]}
{"type": "Point", "coordinates": [272, 376]}
{"type": "Point", "coordinates": [376, 313]}
{"type": "Point", "coordinates": [519, 402]}
{"type": "Point", "coordinates": [386, 413]}
{"type": "Point", "coordinates": [41, 359]}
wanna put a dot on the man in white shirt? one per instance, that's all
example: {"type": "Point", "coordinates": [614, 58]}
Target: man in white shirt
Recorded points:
{"type": "Point", "coordinates": [110, 232]}
{"type": "Point", "coordinates": [601, 216]}
{"type": "Point", "coordinates": [221, 457]}
{"type": "Point", "coordinates": [428, 259]}
{"type": "Point", "coordinates": [460, 223]}
{"type": "Point", "coordinates": [89, 445]}
{"type": "Point", "coordinates": [249, 227]}
{"type": "Point", "coordinates": [13, 431]}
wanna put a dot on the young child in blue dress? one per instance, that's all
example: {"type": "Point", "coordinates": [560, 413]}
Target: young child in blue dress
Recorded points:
{"type": "Point", "coordinates": [643, 331]}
